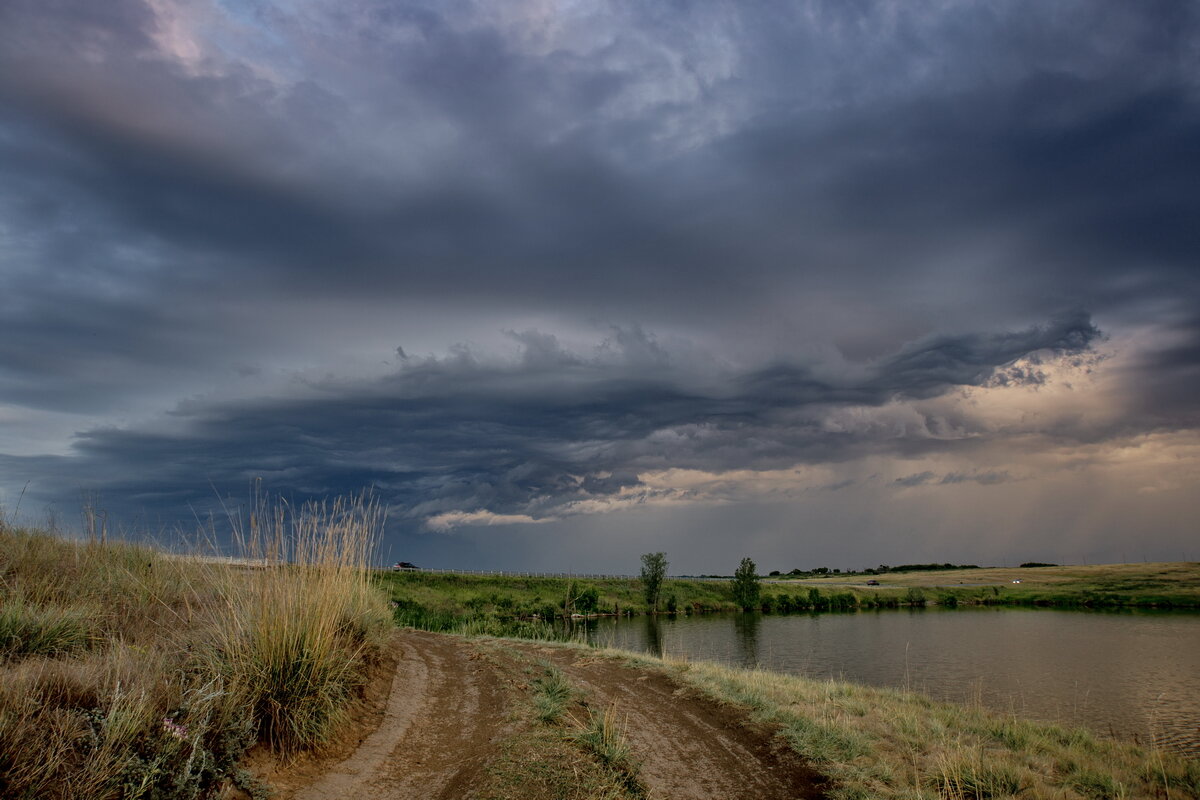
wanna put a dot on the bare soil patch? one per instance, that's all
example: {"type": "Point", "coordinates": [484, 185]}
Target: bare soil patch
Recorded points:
{"type": "Point", "coordinates": [444, 716]}
{"type": "Point", "coordinates": [689, 747]}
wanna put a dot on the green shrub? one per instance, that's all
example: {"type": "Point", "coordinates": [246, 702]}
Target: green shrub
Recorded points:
{"type": "Point", "coordinates": [588, 601]}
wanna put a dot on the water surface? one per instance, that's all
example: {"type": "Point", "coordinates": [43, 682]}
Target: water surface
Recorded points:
{"type": "Point", "coordinates": [1128, 674]}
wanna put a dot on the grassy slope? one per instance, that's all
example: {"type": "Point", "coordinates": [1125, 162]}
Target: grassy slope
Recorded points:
{"type": "Point", "coordinates": [890, 744]}
{"type": "Point", "coordinates": [127, 673]}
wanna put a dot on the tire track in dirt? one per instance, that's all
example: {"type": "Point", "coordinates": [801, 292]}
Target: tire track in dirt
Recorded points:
{"type": "Point", "coordinates": [689, 747]}
{"type": "Point", "coordinates": [445, 714]}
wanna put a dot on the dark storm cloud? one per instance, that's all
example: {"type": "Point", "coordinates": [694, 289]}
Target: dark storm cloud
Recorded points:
{"type": "Point", "coordinates": [848, 204]}
{"type": "Point", "coordinates": [1077, 159]}
{"type": "Point", "coordinates": [528, 437]}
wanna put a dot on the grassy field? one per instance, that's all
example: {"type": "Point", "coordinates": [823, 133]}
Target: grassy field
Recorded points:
{"type": "Point", "coordinates": [1169, 585]}
{"type": "Point", "coordinates": [445, 601]}
{"type": "Point", "coordinates": [447, 594]}
{"type": "Point", "coordinates": [125, 673]}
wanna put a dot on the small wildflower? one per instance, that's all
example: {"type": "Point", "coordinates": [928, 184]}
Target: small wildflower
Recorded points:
{"type": "Point", "coordinates": [174, 728]}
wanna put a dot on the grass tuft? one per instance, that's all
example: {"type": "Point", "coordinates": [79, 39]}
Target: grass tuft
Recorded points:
{"type": "Point", "coordinates": [1096, 785]}
{"type": "Point", "coordinates": [552, 694]}
{"type": "Point", "coordinates": [971, 779]}
{"type": "Point", "coordinates": [604, 735]}
{"type": "Point", "coordinates": [27, 630]}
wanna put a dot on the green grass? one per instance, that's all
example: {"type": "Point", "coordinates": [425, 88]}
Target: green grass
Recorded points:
{"type": "Point", "coordinates": [445, 601]}
{"type": "Point", "coordinates": [456, 595]}
{"type": "Point", "coordinates": [127, 673]}
{"type": "Point", "coordinates": [552, 694]}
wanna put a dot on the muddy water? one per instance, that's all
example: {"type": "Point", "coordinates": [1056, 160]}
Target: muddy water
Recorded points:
{"type": "Point", "coordinates": [1134, 675]}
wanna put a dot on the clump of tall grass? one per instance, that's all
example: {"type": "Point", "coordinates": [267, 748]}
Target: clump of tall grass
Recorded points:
{"type": "Point", "coordinates": [970, 778]}
{"type": "Point", "coordinates": [127, 673]}
{"type": "Point", "coordinates": [296, 632]}
{"type": "Point", "coordinates": [551, 694]}
{"type": "Point", "coordinates": [604, 735]}
{"type": "Point", "coordinates": [29, 630]}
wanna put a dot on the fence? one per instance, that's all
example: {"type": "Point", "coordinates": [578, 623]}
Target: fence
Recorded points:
{"type": "Point", "coordinates": [524, 574]}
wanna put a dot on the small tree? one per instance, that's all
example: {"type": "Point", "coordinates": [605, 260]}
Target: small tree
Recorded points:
{"type": "Point", "coordinates": [588, 601]}
{"type": "Point", "coordinates": [654, 572]}
{"type": "Point", "coordinates": [746, 586]}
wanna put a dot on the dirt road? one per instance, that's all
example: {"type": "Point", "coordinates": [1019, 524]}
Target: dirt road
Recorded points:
{"type": "Point", "coordinates": [444, 718]}
{"type": "Point", "coordinates": [448, 713]}
{"type": "Point", "coordinates": [690, 748]}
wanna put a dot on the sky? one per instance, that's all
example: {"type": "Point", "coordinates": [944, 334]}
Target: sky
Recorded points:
{"type": "Point", "coordinates": [822, 283]}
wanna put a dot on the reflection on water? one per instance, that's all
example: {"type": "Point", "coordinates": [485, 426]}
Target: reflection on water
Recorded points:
{"type": "Point", "coordinates": [1129, 674]}
{"type": "Point", "coordinates": [745, 627]}
{"type": "Point", "coordinates": [654, 642]}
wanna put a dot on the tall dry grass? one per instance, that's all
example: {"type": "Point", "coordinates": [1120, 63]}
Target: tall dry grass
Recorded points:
{"type": "Point", "coordinates": [297, 630]}
{"type": "Point", "coordinates": [127, 672]}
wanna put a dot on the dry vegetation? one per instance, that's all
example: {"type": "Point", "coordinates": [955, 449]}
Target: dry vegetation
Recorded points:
{"type": "Point", "coordinates": [1166, 584]}
{"type": "Point", "coordinates": [882, 743]}
{"type": "Point", "coordinates": [128, 673]}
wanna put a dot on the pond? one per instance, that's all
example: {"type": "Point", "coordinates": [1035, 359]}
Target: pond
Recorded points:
{"type": "Point", "coordinates": [1129, 674]}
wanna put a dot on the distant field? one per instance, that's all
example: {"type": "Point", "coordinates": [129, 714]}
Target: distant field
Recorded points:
{"type": "Point", "coordinates": [1165, 583]}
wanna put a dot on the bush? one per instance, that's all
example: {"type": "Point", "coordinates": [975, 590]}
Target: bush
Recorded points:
{"type": "Point", "coordinates": [588, 601]}
{"type": "Point", "coordinates": [842, 601]}
{"type": "Point", "coordinates": [816, 601]}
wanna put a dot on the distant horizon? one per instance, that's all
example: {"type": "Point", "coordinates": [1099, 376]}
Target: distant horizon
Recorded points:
{"type": "Point", "coordinates": [228, 550]}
